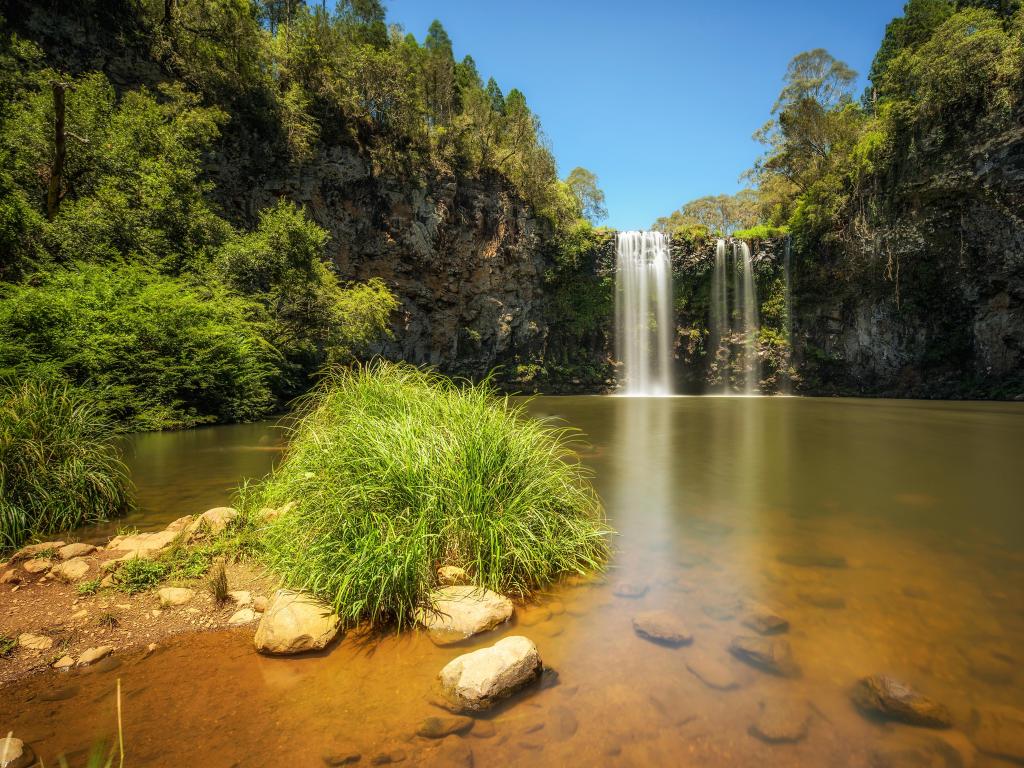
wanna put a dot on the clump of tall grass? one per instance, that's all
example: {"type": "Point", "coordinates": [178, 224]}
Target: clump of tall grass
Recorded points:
{"type": "Point", "coordinates": [59, 463]}
{"type": "Point", "coordinates": [398, 470]}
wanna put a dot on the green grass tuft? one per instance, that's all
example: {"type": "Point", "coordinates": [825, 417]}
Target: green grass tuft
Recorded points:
{"type": "Point", "coordinates": [398, 471]}
{"type": "Point", "coordinates": [59, 464]}
{"type": "Point", "coordinates": [7, 645]}
{"type": "Point", "coordinates": [138, 575]}
{"type": "Point", "coordinates": [88, 587]}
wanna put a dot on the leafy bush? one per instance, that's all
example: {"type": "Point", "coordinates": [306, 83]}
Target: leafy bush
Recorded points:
{"type": "Point", "coordinates": [760, 232]}
{"type": "Point", "coordinates": [158, 351]}
{"type": "Point", "coordinates": [398, 470]}
{"type": "Point", "coordinates": [59, 465]}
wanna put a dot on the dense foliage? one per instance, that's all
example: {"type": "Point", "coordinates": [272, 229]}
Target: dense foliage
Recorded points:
{"type": "Point", "coordinates": [59, 465]}
{"type": "Point", "coordinates": [397, 472]}
{"type": "Point", "coordinates": [120, 276]}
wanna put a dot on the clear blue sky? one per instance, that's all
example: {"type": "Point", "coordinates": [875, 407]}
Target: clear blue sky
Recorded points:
{"type": "Point", "coordinates": [658, 98]}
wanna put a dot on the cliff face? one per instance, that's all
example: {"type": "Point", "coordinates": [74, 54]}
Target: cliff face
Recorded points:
{"type": "Point", "coordinates": [927, 298]}
{"type": "Point", "coordinates": [464, 256]}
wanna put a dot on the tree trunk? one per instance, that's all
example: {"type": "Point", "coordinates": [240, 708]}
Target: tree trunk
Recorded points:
{"type": "Point", "coordinates": [53, 191]}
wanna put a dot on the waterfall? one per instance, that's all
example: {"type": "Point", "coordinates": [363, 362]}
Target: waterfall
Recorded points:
{"type": "Point", "coordinates": [751, 322]}
{"type": "Point", "coordinates": [787, 384]}
{"type": "Point", "coordinates": [733, 317]}
{"type": "Point", "coordinates": [719, 316]}
{"type": "Point", "coordinates": [643, 312]}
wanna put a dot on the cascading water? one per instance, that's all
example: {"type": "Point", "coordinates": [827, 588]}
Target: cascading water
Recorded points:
{"type": "Point", "coordinates": [787, 383]}
{"type": "Point", "coordinates": [734, 313]}
{"type": "Point", "coordinates": [751, 322]}
{"type": "Point", "coordinates": [643, 312]}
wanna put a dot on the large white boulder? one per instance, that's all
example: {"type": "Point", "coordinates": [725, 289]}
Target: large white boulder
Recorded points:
{"type": "Point", "coordinates": [476, 680]}
{"type": "Point", "coordinates": [295, 622]}
{"type": "Point", "coordinates": [457, 612]}
{"type": "Point", "coordinates": [145, 545]}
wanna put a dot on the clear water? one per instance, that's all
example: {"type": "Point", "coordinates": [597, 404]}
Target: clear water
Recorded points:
{"type": "Point", "coordinates": [714, 499]}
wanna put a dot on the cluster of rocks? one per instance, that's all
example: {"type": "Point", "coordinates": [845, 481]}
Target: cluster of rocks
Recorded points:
{"type": "Point", "coordinates": [995, 731]}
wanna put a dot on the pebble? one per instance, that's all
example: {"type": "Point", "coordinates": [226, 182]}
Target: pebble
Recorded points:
{"type": "Point", "coordinates": [174, 596]}
{"type": "Point", "coordinates": [244, 616]}
{"type": "Point", "coordinates": [64, 663]}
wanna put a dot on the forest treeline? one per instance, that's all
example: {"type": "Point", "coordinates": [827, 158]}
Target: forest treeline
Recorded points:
{"type": "Point", "coordinates": [948, 73]}
{"type": "Point", "coordinates": [120, 276]}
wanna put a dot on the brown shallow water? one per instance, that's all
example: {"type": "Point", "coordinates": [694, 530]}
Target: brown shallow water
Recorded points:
{"type": "Point", "coordinates": [922, 500]}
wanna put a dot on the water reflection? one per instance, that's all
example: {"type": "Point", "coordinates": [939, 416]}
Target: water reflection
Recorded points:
{"type": "Point", "coordinates": [887, 534]}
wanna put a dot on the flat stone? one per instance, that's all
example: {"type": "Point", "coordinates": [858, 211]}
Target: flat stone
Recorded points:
{"type": "Point", "coordinates": [823, 598]}
{"type": "Point", "coordinates": [999, 731]}
{"type": "Point", "coordinates": [35, 642]}
{"type": "Point", "coordinates": [72, 570]}
{"type": "Point", "coordinates": [240, 597]}
{"type": "Point", "coordinates": [213, 520]}
{"type": "Point", "coordinates": [181, 524]}
{"type": "Point", "coordinates": [448, 725]}
{"type": "Point", "coordinates": [69, 551]}
{"type": "Point", "coordinates": [812, 560]}
{"type": "Point", "coordinates": [630, 590]}
{"type": "Point", "coordinates": [37, 565]}
{"type": "Point", "coordinates": [243, 616]}
{"type": "Point", "coordinates": [781, 721]}
{"type": "Point", "coordinates": [452, 575]}
{"type": "Point", "coordinates": [146, 545]}
{"type": "Point", "coordinates": [459, 612]}
{"type": "Point", "coordinates": [64, 662]}
{"type": "Point", "coordinates": [92, 655]}
{"type": "Point", "coordinates": [14, 753]}
{"type": "Point", "coordinates": [294, 623]}
{"type": "Point", "coordinates": [763, 620]}
{"type": "Point", "coordinates": [772, 655]}
{"type": "Point", "coordinates": [662, 627]}
{"type": "Point", "coordinates": [477, 680]}
{"type": "Point", "coordinates": [892, 699]}
{"type": "Point", "coordinates": [171, 597]}
{"type": "Point", "coordinates": [710, 671]}
{"type": "Point", "coordinates": [346, 755]}
{"type": "Point", "coordinates": [31, 550]}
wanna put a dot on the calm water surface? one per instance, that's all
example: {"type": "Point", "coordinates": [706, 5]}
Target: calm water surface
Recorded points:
{"type": "Point", "coordinates": [713, 499]}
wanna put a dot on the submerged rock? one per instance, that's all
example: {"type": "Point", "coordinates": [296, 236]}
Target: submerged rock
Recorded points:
{"type": "Point", "coordinates": [174, 596]}
{"type": "Point", "coordinates": [662, 627]}
{"type": "Point", "coordinates": [476, 680]}
{"type": "Point", "coordinates": [458, 612]}
{"type": "Point", "coordinates": [439, 727]}
{"type": "Point", "coordinates": [781, 721]}
{"type": "Point", "coordinates": [295, 622]}
{"type": "Point", "coordinates": [712, 672]}
{"type": "Point", "coordinates": [14, 753]}
{"type": "Point", "coordinates": [763, 620]}
{"type": "Point", "coordinates": [345, 755]}
{"type": "Point", "coordinates": [769, 654]}
{"type": "Point", "coordinates": [923, 749]}
{"type": "Point", "coordinates": [991, 665]}
{"type": "Point", "coordinates": [630, 590]}
{"type": "Point", "coordinates": [1000, 731]}
{"type": "Point", "coordinates": [884, 696]}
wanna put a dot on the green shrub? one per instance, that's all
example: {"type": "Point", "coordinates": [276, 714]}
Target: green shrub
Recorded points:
{"type": "Point", "coordinates": [398, 470]}
{"type": "Point", "coordinates": [138, 575]}
{"type": "Point", "coordinates": [760, 232]}
{"type": "Point", "coordinates": [59, 465]}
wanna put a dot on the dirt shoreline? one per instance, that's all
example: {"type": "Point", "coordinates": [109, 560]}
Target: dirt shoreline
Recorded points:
{"type": "Point", "coordinates": [45, 621]}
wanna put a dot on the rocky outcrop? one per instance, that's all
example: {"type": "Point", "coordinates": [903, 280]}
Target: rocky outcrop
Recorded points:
{"type": "Point", "coordinates": [295, 623]}
{"type": "Point", "coordinates": [477, 680]}
{"type": "Point", "coordinates": [458, 612]}
{"type": "Point", "coordinates": [891, 699]}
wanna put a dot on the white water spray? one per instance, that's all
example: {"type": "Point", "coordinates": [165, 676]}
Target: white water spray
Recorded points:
{"type": "Point", "coordinates": [643, 312]}
{"type": "Point", "coordinates": [751, 322]}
